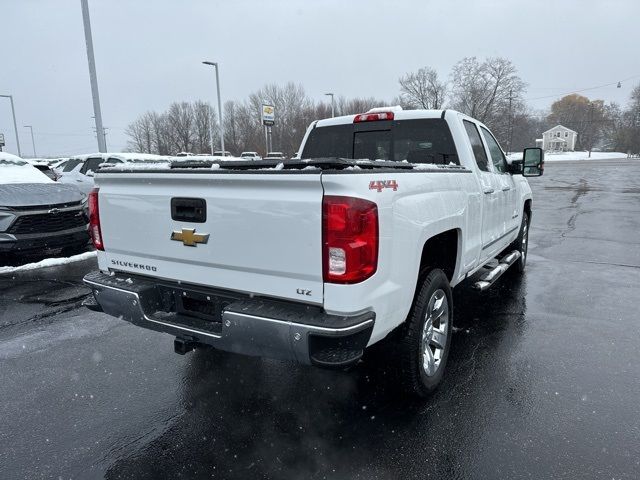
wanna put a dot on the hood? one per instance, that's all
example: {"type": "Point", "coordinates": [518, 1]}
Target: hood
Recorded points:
{"type": "Point", "coordinates": [34, 194]}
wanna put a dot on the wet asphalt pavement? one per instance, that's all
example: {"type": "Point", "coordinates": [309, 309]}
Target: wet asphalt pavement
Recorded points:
{"type": "Point", "coordinates": [543, 379]}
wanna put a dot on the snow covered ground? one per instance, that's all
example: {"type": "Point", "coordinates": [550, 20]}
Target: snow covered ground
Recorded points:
{"type": "Point", "coordinates": [48, 262]}
{"type": "Point", "coordinates": [573, 156]}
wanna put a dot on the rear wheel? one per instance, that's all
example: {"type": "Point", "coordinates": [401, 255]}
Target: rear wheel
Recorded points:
{"type": "Point", "coordinates": [425, 338]}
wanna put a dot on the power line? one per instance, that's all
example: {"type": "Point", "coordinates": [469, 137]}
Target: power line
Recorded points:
{"type": "Point", "coordinates": [583, 89]}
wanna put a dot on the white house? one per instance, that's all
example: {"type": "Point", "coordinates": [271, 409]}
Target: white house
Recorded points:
{"type": "Point", "coordinates": [559, 139]}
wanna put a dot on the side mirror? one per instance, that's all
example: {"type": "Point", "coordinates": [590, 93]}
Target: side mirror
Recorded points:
{"type": "Point", "coordinates": [532, 162]}
{"type": "Point", "coordinates": [515, 167]}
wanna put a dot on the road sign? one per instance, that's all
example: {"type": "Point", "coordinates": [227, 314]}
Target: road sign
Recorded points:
{"type": "Point", "coordinates": [268, 115]}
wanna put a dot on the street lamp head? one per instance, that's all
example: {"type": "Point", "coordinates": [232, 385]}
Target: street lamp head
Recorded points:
{"type": "Point", "coordinates": [214, 64]}
{"type": "Point", "coordinates": [329, 94]}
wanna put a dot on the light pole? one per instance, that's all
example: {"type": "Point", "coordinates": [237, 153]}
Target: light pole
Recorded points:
{"type": "Point", "coordinates": [332, 105]}
{"type": "Point", "coordinates": [215, 64]}
{"type": "Point", "coordinates": [33, 142]}
{"type": "Point", "coordinates": [15, 126]}
{"type": "Point", "coordinates": [93, 76]}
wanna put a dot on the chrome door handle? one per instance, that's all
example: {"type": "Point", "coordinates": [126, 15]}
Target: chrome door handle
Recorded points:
{"type": "Point", "coordinates": [489, 190]}
{"type": "Point", "coordinates": [506, 189]}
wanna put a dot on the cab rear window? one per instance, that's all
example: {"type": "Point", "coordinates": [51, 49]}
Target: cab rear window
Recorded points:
{"type": "Point", "coordinates": [416, 141]}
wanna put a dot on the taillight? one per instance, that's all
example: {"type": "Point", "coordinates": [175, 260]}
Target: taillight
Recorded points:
{"type": "Point", "coordinates": [94, 220]}
{"type": "Point", "coordinates": [373, 117]}
{"type": "Point", "coordinates": [350, 239]}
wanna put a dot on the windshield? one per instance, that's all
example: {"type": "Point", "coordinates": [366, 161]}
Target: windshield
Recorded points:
{"type": "Point", "coordinates": [416, 141]}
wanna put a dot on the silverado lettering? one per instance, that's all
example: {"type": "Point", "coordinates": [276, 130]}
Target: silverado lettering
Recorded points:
{"type": "Point", "coordinates": [139, 266]}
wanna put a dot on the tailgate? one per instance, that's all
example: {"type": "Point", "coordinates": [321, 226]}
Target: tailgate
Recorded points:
{"type": "Point", "coordinates": [264, 230]}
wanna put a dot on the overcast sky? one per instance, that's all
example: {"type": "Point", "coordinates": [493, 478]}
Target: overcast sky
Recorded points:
{"type": "Point", "coordinates": [148, 54]}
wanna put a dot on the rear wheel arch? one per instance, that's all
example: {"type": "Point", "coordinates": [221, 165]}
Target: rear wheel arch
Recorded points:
{"type": "Point", "coordinates": [440, 251]}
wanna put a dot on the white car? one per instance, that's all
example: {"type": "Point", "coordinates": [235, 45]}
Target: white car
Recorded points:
{"type": "Point", "coordinates": [250, 156]}
{"type": "Point", "coordinates": [275, 156]}
{"type": "Point", "coordinates": [359, 241]}
{"type": "Point", "coordinates": [80, 170]}
{"type": "Point", "coordinates": [220, 153]}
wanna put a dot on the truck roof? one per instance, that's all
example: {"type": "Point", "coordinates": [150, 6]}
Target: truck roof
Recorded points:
{"type": "Point", "coordinates": [399, 114]}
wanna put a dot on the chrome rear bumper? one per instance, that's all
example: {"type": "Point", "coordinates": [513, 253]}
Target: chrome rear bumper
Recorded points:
{"type": "Point", "coordinates": [250, 326]}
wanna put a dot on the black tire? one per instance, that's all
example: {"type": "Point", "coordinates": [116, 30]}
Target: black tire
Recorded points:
{"type": "Point", "coordinates": [521, 244]}
{"type": "Point", "coordinates": [410, 347]}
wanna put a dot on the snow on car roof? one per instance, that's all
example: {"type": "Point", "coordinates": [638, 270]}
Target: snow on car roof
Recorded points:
{"type": "Point", "coordinates": [16, 170]}
{"type": "Point", "coordinates": [9, 159]}
{"type": "Point", "coordinates": [124, 156]}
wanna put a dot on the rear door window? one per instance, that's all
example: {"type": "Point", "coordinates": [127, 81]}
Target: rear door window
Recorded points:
{"type": "Point", "coordinates": [91, 165]}
{"type": "Point", "coordinates": [71, 164]}
{"type": "Point", "coordinates": [476, 144]}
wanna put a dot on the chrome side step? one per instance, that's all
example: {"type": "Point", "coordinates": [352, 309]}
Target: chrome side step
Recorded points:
{"type": "Point", "coordinates": [489, 278]}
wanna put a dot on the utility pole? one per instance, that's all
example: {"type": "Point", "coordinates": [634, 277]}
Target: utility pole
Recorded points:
{"type": "Point", "coordinates": [102, 148]}
{"type": "Point", "coordinates": [510, 121]}
{"type": "Point", "coordinates": [33, 142]}
{"type": "Point", "coordinates": [15, 125]}
{"type": "Point", "coordinates": [333, 112]}
{"type": "Point", "coordinates": [215, 64]}
{"type": "Point", "coordinates": [104, 130]}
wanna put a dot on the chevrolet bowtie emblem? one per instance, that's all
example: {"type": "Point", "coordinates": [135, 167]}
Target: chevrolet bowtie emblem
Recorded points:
{"type": "Point", "coordinates": [189, 237]}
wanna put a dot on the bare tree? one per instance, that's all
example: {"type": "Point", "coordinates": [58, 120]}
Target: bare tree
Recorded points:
{"type": "Point", "coordinates": [181, 121]}
{"type": "Point", "coordinates": [422, 89]}
{"type": "Point", "coordinates": [186, 126]}
{"type": "Point", "coordinates": [203, 125]}
{"type": "Point", "coordinates": [350, 106]}
{"type": "Point", "coordinates": [292, 108]}
{"type": "Point", "coordinates": [141, 135]}
{"type": "Point", "coordinates": [490, 91]}
{"type": "Point", "coordinates": [232, 127]}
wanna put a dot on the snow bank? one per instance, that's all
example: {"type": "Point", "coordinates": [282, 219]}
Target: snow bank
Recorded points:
{"type": "Point", "coordinates": [48, 262]}
{"type": "Point", "coordinates": [573, 156]}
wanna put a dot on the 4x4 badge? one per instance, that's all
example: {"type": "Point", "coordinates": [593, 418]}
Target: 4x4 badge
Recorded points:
{"type": "Point", "coordinates": [380, 184]}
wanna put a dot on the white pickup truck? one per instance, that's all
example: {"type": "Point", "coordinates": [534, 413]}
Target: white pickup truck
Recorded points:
{"type": "Point", "coordinates": [314, 259]}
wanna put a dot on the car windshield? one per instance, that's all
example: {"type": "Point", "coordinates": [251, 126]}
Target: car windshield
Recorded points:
{"type": "Point", "coordinates": [414, 141]}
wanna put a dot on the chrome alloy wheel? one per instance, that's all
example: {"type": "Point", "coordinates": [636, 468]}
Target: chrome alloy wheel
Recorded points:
{"type": "Point", "coordinates": [434, 332]}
